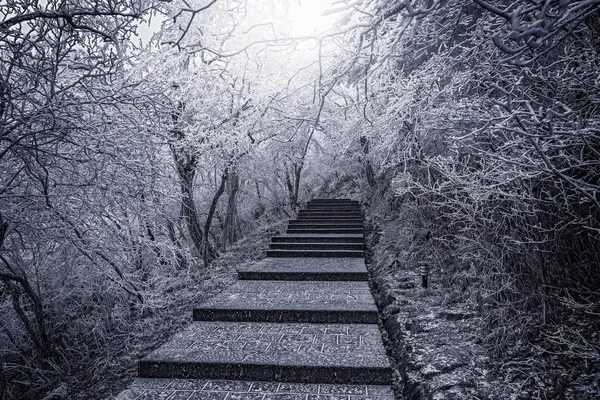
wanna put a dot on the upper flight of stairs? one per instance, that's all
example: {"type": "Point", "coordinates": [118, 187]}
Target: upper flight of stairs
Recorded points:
{"type": "Point", "coordinates": [323, 229]}
{"type": "Point", "coordinates": [300, 324]}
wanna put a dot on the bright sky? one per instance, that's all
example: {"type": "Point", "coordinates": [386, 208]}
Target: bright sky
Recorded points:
{"type": "Point", "coordinates": [306, 17]}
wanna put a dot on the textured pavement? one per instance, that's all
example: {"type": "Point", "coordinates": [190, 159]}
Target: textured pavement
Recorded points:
{"type": "Point", "coordinates": [196, 389]}
{"type": "Point", "coordinates": [315, 269]}
{"type": "Point", "coordinates": [307, 301]}
{"type": "Point", "coordinates": [291, 328]}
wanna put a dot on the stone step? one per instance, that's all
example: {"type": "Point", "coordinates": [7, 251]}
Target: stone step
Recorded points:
{"type": "Point", "coordinates": [315, 253]}
{"type": "Point", "coordinates": [333, 204]}
{"type": "Point", "coordinates": [288, 352]}
{"type": "Point", "coordinates": [284, 301]}
{"type": "Point", "coordinates": [324, 226]}
{"type": "Point", "coordinates": [325, 230]}
{"type": "Point", "coordinates": [332, 209]}
{"type": "Point", "coordinates": [316, 246]}
{"type": "Point", "coordinates": [330, 218]}
{"type": "Point", "coordinates": [318, 239]}
{"type": "Point", "coordinates": [326, 223]}
{"type": "Point", "coordinates": [306, 269]}
{"type": "Point", "coordinates": [319, 214]}
{"type": "Point", "coordinates": [331, 200]}
{"type": "Point", "coordinates": [196, 389]}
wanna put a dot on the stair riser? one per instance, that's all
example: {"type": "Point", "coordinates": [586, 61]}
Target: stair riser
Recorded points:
{"type": "Point", "coordinates": [332, 204]}
{"type": "Point", "coordinates": [302, 276]}
{"type": "Point", "coordinates": [333, 218]}
{"type": "Point", "coordinates": [331, 212]}
{"type": "Point", "coordinates": [247, 372]}
{"type": "Point", "coordinates": [266, 315]}
{"type": "Point", "coordinates": [328, 222]}
{"type": "Point", "coordinates": [317, 246]}
{"type": "Point", "coordinates": [332, 201]}
{"type": "Point", "coordinates": [324, 230]}
{"type": "Point", "coordinates": [329, 218]}
{"type": "Point", "coordinates": [314, 226]}
{"type": "Point", "coordinates": [333, 209]}
{"type": "Point", "coordinates": [358, 218]}
{"type": "Point", "coordinates": [316, 239]}
{"type": "Point", "coordinates": [315, 254]}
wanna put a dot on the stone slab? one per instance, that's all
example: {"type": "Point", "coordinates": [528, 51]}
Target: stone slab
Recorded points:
{"type": "Point", "coordinates": [285, 301]}
{"type": "Point", "coordinates": [316, 246]}
{"type": "Point", "coordinates": [306, 269]}
{"type": "Point", "coordinates": [196, 389]}
{"type": "Point", "coordinates": [316, 238]}
{"type": "Point", "coordinates": [325, 230]}
{"type": "Point", "coordinates": [330, 217]}
{"type": "Point", "coordinates": [301, 224]}
{"type": "Point", "coordinates": [342, 222]}
{"type": "Point", "coordinates": [315, 253]}
{"type": "Point", "coordinates": [294, 352]}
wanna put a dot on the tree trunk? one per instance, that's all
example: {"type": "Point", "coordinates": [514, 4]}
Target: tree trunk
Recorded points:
{"type": "Point", "coordinates": [231, 228]}
{"type": "Point", "coordinates": [209, 253]}
{"type": "Point", "coordinates": [364, 142]}
{"type": "Point", "coordinates": [293, 184]}
{"type": "Point", "coordinates": [188, 210]}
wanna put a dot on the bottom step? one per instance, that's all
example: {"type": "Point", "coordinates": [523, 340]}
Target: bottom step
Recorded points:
{"type": "Point", "coordinates": [293, 352]}
{"type": "Point", "coordinates": [196, 389]}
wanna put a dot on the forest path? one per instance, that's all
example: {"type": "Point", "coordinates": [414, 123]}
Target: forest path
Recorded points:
{"type": "Point", "coordinates": [300, 324]}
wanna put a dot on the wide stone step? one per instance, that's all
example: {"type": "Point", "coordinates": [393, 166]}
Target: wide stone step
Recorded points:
{"type": "Point", "coordinates": [332, 200]}
{"type": "Point", "coordinates": [333, 206]}
{"type": "Point", "coordinates": [318, 239]}
{"type": "Point", "coordinates": [333, 209]}
{"type": "Point", "coordinates": [325, 223]}
{"type": "Point", "coordinates": [315, 253]}
{"type": "Point", "coordinates": [196, 389]}
{"type": "Point", "coordinates": [284, 301]}
{"type": "Point", "coordinates": [324, 226]}
{"type": "Point", "coordinates": [288, 352]}
{"type": "Point", "coordinates": [330, 218]}
{"type": "Point", "coordinates": [333, 203]}
{"type": "Point", "coordinates": [325, 230]}
{"type": "Point", "coordinates": [306, 269]}
{"type": "Point", "coordinates": [317, 246]}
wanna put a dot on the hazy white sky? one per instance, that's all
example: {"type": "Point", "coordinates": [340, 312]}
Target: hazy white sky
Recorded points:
{"type": "Point", "coordinates": [305, 16]}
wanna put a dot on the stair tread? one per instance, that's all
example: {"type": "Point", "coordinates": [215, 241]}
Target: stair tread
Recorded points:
{"type": "Point", "coordinates": [343, 353]}
{"type": "Point", "coordinates": [274, 295]}
{"type": "Point", "coordinates": [306, 268]}
{"type": "Point", "coordinates": [161, 388]}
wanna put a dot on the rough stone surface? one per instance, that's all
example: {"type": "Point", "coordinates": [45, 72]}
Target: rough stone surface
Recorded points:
{"type": "Point", "coordinates": [349, 269]}
{"type": "Point", "coordinates": [311, 295]}
{"type": "Point", "coordinates": [341, 353]}
{"type": "Point", "coordinates": [315, 253]}
{"type": "Point", "coordinates": [324, 238]}
{"type": "Point", "coordinates": [309, 301]}
{"type": "Point", "coordinates": [259, 339]}
{"type": "Point", "coordinates": [196, 389]}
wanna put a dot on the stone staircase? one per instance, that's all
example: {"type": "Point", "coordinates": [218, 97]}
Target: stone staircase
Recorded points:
{"type": "Point", "coordinates": [300, 324]}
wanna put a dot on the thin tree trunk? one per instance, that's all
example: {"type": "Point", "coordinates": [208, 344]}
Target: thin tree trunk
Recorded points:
{"type": "Point", "coordinates": [209, 253]}
{"type": "Point", "coordinates": [364, 142]}
{"type": "Point", "coordinates": [231, 229]}
{"type": "Point", "coordinates": [188, 211]}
